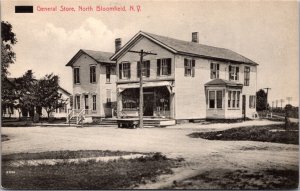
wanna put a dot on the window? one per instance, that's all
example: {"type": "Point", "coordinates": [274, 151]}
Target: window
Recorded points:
{"type": "Point", "coordinates": [164, 67]}
{"type": "Point", "coordinates": [211, 99]}
{"type": "Point", "coordinates": [246, 75]}
{"type": "Point", "coordinates": [108, 98]}
{"type": "Point", "coordinates": [214, 70]}
{"type": "Point", "coordinates": [215, 99]}
{"type": "Point", "coordinates": [189, 67]}
{"type": "Point", "coordinates": [238, 99]}
{"type": "Point", "coordinates": [76, 76]}
{"type": "Point", "coordinates": [145, 69]}
{"type": "Point", "coordinates": [252, 101]}
{"type": "Point", "coordinates": [107, 73]}
{"type": "Point", "coordinates": [124, 70]}
{"type": "Point", "coordinates": [92, 74]}
{"type": "Point", "coordinates": [233, 72]}
{"type": "Point", "coordinates": [219, 99]}
{"type": "Point", "coordinates": [94, 103]}
{"type": "Point", "coordinates": [229, 99]}
{"type": "Point", "coordinates": [77, 102]}
{"type": "Point", "coordinates": [234, 99]}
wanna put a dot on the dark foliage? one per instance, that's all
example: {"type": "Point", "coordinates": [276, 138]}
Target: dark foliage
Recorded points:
{"type": "Point", "coordinates": [254, 133]}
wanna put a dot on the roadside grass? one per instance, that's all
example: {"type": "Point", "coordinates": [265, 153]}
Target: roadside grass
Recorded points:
{"type": "Point", "coordinates": [241, 179]}
{"type": "Point", "coordinates": [65, 154]}
{"type": "Point", "coordinates": [268, 133]}
{"type": "Point", "coordinates": [92, 175]}
{"type": "Point", "coordinates": [4, 138]}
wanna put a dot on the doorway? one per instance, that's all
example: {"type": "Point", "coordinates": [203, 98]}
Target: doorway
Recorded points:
{"type": "Point", "coordinates": [244, 106]}
{"type": "Point", "coordinates": [86, 103]}
{"type": "Point", "coordinates": [148, 103]}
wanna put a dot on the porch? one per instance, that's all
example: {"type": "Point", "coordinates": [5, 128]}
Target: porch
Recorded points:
{"type": "Point", "coordinates": [223, 100]}
{"type": "Point", "coordinates": [158, 100]}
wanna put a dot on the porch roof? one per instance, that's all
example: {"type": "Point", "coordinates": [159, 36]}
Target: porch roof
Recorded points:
{"type": "Point", "coordinates": [168, 84]}
{"type": "Point", "coordinates": [221, 82]}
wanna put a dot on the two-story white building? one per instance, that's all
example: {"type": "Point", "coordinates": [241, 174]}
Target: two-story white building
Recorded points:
{"type": "Point", "coordinates": [94, 83]}
{"type": "Point", "coordinates": [185, 80]}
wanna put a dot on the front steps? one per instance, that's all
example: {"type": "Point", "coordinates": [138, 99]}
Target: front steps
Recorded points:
{"type": "Point", "coordinates": [148, 122]}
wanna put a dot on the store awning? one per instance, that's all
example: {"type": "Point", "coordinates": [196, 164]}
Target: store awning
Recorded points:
{"type": "Point", "coordinates": [168, 84]}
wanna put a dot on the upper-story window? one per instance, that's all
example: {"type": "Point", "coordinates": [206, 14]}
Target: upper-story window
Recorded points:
{"type": "Point", "coordinates": [247, 76]}
{"type": "Point", "coordinates": [189, 67]}
{"type": "Point", "coordinates": [214, 70]}
{"type": "Point", "coordinates": [107, 73]}
{"type": "Point", "coordinates": [92, 74]}
{"type": "Point", "coordinates": [164, 66]}
{"type": "Point", "coordinates": [76, 76]}
{"type": "Point", "coordinates": [145, 68]}
{"type": "Point", "coordinates": [124, 70]}
{"type": "Point", "coordinates": [233, 72]}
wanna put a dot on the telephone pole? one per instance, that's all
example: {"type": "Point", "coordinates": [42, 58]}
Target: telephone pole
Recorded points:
{"type": "Point", "coordinates": [281, 101]}
{"type": "Point", "coordinates": [142, 53]}
{"type": "Point", "coordinates": [267, 97]}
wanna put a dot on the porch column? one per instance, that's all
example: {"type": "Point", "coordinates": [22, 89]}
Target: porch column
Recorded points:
{"type": "Point", "coordinates": [172, 105]}
{"type": "Point", "coordinates": [119, 104]}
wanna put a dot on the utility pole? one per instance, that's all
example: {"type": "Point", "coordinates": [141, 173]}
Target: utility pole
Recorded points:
{"type": "Point", "coordinates": [267, 96]}
{"type": "Point", "coordinates": [142, 53]}
{"type": "Point", "coordinates": [281, 101]}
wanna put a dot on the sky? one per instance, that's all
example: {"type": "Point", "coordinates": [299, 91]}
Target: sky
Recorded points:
{"type": "Point", "coordinates": [263, 31]}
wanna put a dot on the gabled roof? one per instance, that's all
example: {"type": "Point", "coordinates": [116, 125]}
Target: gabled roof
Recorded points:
{"type": "Point", "coordinates": [65, 91]}
{"type": "Point", "coordinates": [221, 82]}
{"type": "Point", "coordinates": [187, 48]}
{"type": "Point", "coordinates": [98, 56]}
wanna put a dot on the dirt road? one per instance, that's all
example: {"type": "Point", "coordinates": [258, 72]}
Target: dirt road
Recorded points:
{"type": "Point", "coordinates": [199, 154]}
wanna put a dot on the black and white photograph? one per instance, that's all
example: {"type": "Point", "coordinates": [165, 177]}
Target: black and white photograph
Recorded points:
{"type": "Point", "coordinates": [150, 94]}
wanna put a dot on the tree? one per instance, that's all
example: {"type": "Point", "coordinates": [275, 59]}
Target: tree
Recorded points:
{"type": "Point", "coordinates": [25, 93]}
{"type": "Point", "coordinates": [47, 94]}
{"type": "Point", "coordinates": [8, 56]}
{"type": "Point", "coordinates": [261, 100]}
{"type": "Point", "coordinates": [8, 96]}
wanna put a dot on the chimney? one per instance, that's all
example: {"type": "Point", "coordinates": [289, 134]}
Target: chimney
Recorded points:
{"type": "Point", "coordinates": [195, 37]}
{"type": "Point", "coordinates": [118, 44]}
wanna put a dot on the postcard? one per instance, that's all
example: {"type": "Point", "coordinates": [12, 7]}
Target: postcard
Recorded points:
{"type": "Point", "coordinates": [163, 94]}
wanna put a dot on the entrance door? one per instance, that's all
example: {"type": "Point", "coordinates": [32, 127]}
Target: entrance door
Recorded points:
{"type": "Point", "coordinates": [86, 103]}
{"type": "Point", "coordinates": [244, 106]}
{"type": "Point", "coordinates": [148, 104]}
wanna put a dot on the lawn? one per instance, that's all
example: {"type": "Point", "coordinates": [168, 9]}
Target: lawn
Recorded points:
{"type": "Point", "coordinates": [92, 175]}
{"type": "Point", "coordinates": [241, 179]}
{"type": "Point", "coordinates": [269, 133]}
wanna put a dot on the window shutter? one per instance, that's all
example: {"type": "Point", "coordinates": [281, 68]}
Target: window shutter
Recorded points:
{"type": "Point", "coordinates": [193, 68]}
{"type": "Point", "coordinates": [148, 68]}
{"type": "Point", "coordinates": [169, 64]}
{"type": "Point", "coordinates": [74, 73]}
{"type": "Point", "coordinates": [229, 72]}
{"type": "Point", "coordinates": [237, 73]}
{"type": "Point", "coordinates": [129, 70]}
{"type": "Point", "coordinates": [120, 71]}
{"type": "Point", "coordinates": [138, 69]}
{"type": "Point", "coordinates": [211, 66]}
{"type": "Point", "coordinates": [91, 71]}
{"type": "Point", "coordinates": [185, 66]}
{"type": "Point", "coordinates": [158, 66]}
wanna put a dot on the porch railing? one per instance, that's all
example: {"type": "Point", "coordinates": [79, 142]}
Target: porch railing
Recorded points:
{"type": "Point", "coordinates": [79, 114]}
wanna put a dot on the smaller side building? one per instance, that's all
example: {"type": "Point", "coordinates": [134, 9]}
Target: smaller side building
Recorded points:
{"type": "Point", "coordinates": [61, 112]}
{"type": "Point", "coordinates": [94, 83]}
